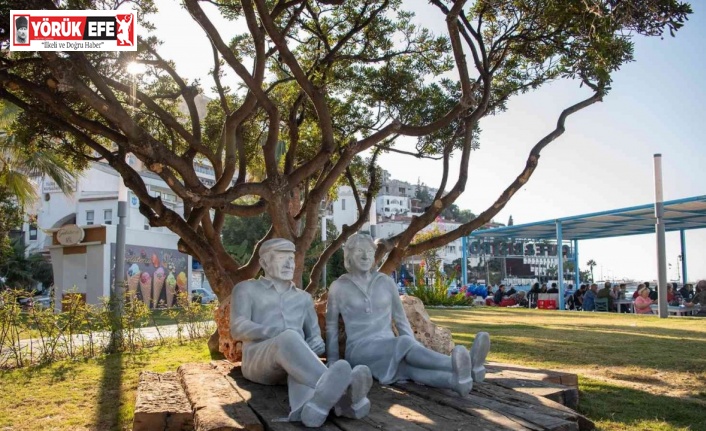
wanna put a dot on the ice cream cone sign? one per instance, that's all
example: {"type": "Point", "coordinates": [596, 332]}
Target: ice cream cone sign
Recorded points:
{"type": "Point", "coordinates": [146, 288]}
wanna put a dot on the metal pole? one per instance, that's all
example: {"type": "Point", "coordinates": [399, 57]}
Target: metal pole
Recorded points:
{"type": "Point", "coordinates": [323, 240]}
{"type": "Point", "coordinates": [577, 271]}
{"type": "Point", "coordinates": [464, 261]}
{"type": "Point", "coordinates": [560, 263]}
{"type": "Point", "coordinates": [118, 291]}
{"type": "Point", "coordinates": [682, 237]}
{"type": "Point", "coordinates": [659, 227]}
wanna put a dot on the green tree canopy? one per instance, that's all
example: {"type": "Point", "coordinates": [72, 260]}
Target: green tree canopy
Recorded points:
{"type": "Point", "coordinates": [321, 87]}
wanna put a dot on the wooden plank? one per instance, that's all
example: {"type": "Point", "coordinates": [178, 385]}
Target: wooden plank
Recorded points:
{"type": "Point", "coordinates": [523, 415]}
{"type": "Point", "coordinates": [396, 410]}
{"type": "Point", "coordinates": [216, 406]}
{"type": "Point", "coordinates": [512, 370]}
{"type": "Point", "coordinates": [270, 403]}
{"type": "Point", "coordinates": [547, 406]}
{"type": "Point", "coordinates": [406, 407]}
{"type": "Point", "coordinates": [562, 394]}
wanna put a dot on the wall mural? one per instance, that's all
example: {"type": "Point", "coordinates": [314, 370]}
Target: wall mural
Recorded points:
{"type": "Point", "coordinates": [154, 274]}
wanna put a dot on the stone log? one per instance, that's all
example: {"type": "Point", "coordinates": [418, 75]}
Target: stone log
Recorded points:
{"type": "Point", "coordinates": [215, 405]}
{"type": "Point", "coordinates": [161, 404]}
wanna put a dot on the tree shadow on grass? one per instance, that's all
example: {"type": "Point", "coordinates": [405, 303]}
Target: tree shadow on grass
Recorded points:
{"type": "Point", "coordinates": [110, 392]}
{"type": "Point", "coordinates": [617, 407]}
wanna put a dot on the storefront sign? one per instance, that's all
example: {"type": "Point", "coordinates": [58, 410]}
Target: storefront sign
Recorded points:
{"type": "Point", "coordinates": [516, 248]}
{"type": "Point", "coordinates": [70, 235]}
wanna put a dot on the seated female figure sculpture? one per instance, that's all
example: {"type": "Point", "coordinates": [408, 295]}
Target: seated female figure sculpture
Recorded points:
{"type": "Point", "coordinates": [281, 339]}
{"type": "Point", "coordinates": [368, 301]}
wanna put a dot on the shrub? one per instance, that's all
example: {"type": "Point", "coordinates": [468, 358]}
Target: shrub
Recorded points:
{"type": "Point", "coordinates": [437, 293]}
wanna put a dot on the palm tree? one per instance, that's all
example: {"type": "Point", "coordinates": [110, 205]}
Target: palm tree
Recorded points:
{"type": "Point", "coordinates": [591, 263]}
{"type": "Point", "coordinates": [22, 271]}
{"type": "Point", "coordinates": [17, 166]}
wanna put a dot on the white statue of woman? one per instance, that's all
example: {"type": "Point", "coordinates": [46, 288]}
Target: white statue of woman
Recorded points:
{"type": "Point", "coordinates": [281, 342]}
{"type": "Point", "coordinates": [369, 302]}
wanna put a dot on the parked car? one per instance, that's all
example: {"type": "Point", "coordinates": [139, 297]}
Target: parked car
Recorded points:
{"type": "Point", "coordinates": [42, 302]}
{"type": "Point", "coordinates": [203, 296]}
{"type": "Point", "coordinates": [26, 302]}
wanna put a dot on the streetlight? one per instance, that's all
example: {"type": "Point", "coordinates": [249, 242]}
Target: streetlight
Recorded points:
{"type": "Point", "coordinates": [323, 240]}
{"type": "Point", "coordinates": [679, 270]}
{"type": "Point", "coordinates": [118, 288]}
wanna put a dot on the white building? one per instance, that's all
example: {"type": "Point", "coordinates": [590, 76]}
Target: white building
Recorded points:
{"type": "Point", "coordinates": [393, 205]}
{"type": "Point", "coordinates": [86, 267]}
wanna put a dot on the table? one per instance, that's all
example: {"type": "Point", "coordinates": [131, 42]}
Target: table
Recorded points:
{"type": "Point", "coordinates": [677, 310]}
{"type": "Point", "coordinates": [620, 302]}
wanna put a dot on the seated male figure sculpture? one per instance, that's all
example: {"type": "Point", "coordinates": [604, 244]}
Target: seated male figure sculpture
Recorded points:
{"type": "Point", "coordinates": [281, 342]}
{"type": "Point", "coordinates": [369, 301]}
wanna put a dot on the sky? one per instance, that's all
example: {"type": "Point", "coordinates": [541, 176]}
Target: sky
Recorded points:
{"type": "Point", "coordinates": [603, 161]}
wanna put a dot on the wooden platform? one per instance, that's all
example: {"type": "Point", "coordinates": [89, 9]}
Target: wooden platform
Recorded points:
{"type": "Point", "coordinates": [511, 398]}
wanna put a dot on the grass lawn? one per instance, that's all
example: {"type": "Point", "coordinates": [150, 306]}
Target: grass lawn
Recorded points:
{"type": "Point", "coordinates": [96, 394]}
{"type": "Point", "coordinates": [636, 373]}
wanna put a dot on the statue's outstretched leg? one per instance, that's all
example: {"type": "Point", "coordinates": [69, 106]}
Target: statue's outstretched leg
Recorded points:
{"type": "Point", "coordinates": [296, 358]}
{"type": "Point", "coordinates": [421, 357]}
{"type": "Point", "coordinates": [329, 389]}
{"type": "Point", "coordinates": [462, 381]}
{"type": "Point", "coordinates": [435, 369]}
{"type": "Point", "coordinates": [355, 403]}
{"type": "Point", "coordinates": [479, 351]}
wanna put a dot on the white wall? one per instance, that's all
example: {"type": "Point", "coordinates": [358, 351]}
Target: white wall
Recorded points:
{"type": "Point", "coordinates": [388, 205]}
{"type": "Point", "coordinates": [344, 208]}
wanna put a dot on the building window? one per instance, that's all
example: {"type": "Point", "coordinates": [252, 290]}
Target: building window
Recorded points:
{"type": "Point", "coordinates": [402, 190]}
{"type": "Point", "coordinates": [90, 216]}
{"type": "Point", "coordinates": [343, 204]}
{"type": "Point", "coordinates": [108, 216]}
{"type": "Point", "coordinates": [387, 201]}
{"type": "Point", "coordinates": [147, 227]}
{"type": "Point", "coordinates": [33, 232]}
{"type": "Point", "coordinates": [387, 189]}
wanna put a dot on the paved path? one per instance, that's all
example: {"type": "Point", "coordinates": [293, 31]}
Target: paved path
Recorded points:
{"type": "Point", "coordinates": [32, 346]}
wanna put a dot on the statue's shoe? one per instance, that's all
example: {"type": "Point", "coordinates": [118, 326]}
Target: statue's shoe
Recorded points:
{"type": "Point", "coordinates": [479, 351]}
{"type": "Point", "coordinates": [329, 389]}
{"type": "Point", "coordinates": [355, 403]}
{"type": "Point", "coordinates": [462, 380]}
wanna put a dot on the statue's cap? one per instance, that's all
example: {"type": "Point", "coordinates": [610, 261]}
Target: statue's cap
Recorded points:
{"type": "Point", "coordinates": [21, 22]}
{"type": "Point", "coordinates": [277, 244]}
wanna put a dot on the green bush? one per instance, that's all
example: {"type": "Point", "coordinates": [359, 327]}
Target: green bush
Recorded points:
{"type": "Point", "coordinates": [437, 294]}
{"type": "Point", "coordinates": [193, 319]}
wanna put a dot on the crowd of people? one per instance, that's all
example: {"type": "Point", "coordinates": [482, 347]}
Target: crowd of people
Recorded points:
{"type": "Point", "coordinates": [584, 298]}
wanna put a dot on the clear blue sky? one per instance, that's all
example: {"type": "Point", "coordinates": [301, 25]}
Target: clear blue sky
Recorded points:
{"type": "Point", "coordinates": [603, 161]}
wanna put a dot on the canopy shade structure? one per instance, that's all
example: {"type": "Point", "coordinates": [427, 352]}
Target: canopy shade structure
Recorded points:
{"type": "Point", "coordinates": [679, 215]}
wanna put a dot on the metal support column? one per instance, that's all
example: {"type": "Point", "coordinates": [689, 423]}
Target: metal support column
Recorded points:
{"type": "Point", "coordinates": [682, 237]}
{"type": "Point", "coordinates": [577, 270]}
{"type": "Point", "coordinates": [323, 240]}
{"type": "Point", "coordinates": [659, 228]}
{"type": "Point", "coordinates": [118, 291]}
{"type": "Point", "coordinates": [464, 261]}
{"type": "Point", "coordinates": [560, 264]}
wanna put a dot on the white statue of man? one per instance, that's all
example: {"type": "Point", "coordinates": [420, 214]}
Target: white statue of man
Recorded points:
{"type": "Point", "coordinates": [281, 339]}
{"type": "Point", "coordinates": [369, 301]}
